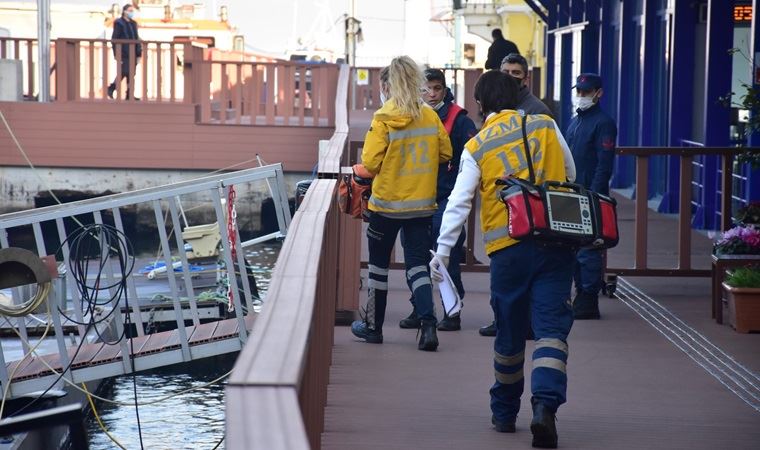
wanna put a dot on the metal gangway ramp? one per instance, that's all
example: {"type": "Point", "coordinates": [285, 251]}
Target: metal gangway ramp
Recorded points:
{"type": "Point", "coordinates": [78, 351]}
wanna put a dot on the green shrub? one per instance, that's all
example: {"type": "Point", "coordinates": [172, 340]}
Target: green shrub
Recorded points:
{"type": "Point", "coordinates": [744, 277]}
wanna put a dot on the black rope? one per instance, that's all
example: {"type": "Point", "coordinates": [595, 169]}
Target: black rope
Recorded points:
{"type": "Point", "coordinates": [91, 249]}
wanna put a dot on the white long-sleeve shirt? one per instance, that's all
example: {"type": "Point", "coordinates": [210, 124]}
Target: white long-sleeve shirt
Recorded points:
{"type": "Point", "coordinates": [460, 200]}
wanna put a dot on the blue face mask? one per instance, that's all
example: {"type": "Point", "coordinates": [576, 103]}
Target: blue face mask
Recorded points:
{"type": "Point", "coordinates": [131, 15]}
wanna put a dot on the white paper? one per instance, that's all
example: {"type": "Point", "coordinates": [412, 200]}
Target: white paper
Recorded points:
{"type": "Point", "coordinates": [452, 304]}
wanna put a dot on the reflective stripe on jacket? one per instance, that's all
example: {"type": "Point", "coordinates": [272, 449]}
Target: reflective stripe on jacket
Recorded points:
{"type": "Point", "coordinates": [499, 151]}
{"type": "Point", "coordinates": [404, 155]}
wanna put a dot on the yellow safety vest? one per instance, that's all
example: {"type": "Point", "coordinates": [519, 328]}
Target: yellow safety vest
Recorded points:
{"type": "Point", "coordinates": [499, 151]}
{"type": "Point", "coordinates": [404, 154]}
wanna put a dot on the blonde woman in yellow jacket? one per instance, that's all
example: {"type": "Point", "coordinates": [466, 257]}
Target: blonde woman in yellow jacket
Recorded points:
{"type": "Point", "coordinates": [402, 149]}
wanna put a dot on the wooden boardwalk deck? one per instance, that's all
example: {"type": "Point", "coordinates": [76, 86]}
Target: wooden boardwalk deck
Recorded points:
{"type": "Point", "coordinates": [629, 387]}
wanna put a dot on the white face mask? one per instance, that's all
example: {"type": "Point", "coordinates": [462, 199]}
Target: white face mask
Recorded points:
{"type": "Point", "coordinates": [584, 103]}
{"type": "Point", "coordinates": [438, 105]}
{"type": "Point", "coordinates": [383, 98]}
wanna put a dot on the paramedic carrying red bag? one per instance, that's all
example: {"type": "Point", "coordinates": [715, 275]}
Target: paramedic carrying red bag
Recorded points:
{"type": "Point", "coordinates": [564, 214]}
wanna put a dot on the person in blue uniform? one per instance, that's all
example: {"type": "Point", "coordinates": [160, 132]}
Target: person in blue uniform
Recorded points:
{"type": "Point", "coordinates": [591, 137]}
{"type": "Point", "coordinates": [460, 129]}
{"type": "Point", "coordinates": [525, 275]}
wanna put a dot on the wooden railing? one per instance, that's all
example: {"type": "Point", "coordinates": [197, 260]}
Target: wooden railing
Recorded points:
{"type": "Point", "coordinates": [25, 50]}
{"type": "Point", "coordinates": [281, 93]}
{"type": "Point", "coordinates": [86, 67]}
{"type": "Point", "coordinates": [686, 157]}
{"type": "Point", "coordinates": [682, 226]}
{"type": "Point", "coordinates": [278, 388]}
{"type": "Point", "coordinates": [228, 88]}
{"type": "Point", "coordinates": [364, 93]}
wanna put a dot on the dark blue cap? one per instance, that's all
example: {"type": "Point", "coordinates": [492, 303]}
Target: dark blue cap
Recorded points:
{"type": "Point", "coordinates": [588, 82]}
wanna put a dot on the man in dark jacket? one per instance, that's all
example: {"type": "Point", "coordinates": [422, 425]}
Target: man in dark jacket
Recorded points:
{"type": "Point", "coordinates": [460, 128]}
{"type": "Point", "coordinates": [516, 66]}
{"type": "Point", "coordinates": [499, 49]}
{"type": "Point", "coordinates": [591, 137]}
{"type": "Point", "coordinates": [125, 28]}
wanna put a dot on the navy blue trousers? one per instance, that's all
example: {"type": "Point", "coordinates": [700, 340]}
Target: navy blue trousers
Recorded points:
{"type": "Point", "coordinates": [529, 277]}
{"type": "Point", "coordinates": [381, 237]}
{"type": "Point", "coordinates": [588, 271]}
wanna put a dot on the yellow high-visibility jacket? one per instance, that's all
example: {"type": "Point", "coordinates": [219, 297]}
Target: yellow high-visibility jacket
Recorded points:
{"type": "Point", "coordinates": [404, 155]}
{"type": "Point", "coordinates": [499, 151]}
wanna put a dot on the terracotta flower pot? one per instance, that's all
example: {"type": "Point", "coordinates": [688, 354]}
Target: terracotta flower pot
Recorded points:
{"type": "Point", "coordinates": [743, 308]}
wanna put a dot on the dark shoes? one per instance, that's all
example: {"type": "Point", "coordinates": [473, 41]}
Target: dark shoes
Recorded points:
{"type": "Point", "coordinates": [488, 330]}
{"type": "Point", "coordinates": [503, 427]}
{"type": "Point", "coordinates": [363, 331]}
{"type": "Point", "coordinates": [111, 90]}
{"type": "Point", "coordinates": [429, 338]}
{"type": "Point", "coordinates": [450, 323]}
{"type": "Point", "coordinates": [543, 427]}
{"type": "Point", "coordinates": [410, 322]}
{"type": "Point", "coordinates": [586, 307]}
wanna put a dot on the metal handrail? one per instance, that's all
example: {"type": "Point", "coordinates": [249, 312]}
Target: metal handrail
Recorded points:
{"type": "Point", "coordinates": [151, 198]}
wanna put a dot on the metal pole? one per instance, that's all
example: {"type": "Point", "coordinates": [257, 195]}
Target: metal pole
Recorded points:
{"type": "Point", "coordinates": [457, 40]}
{"type": "Point", "coordinates": [43, 49]}
{"type": "Point", "coordinates": [353, 34]}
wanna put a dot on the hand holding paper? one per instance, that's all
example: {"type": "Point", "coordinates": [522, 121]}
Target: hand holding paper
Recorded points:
{"type": "Point", "coordinates": [452, 304]}
{"type": "Point", "coordinates": [435, 266]}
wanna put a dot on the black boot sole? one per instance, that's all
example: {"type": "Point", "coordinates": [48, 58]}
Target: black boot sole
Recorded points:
{"type": "Point", "coordinates": [487, 332]}
{"type": "Point", "coordinates": [503, 427]}
{"type": "Point", "coordinates": [428, 347]}
{"type": "Point", "coordinates": [445, 326]}
{"type": "Point", "coordinates": [409, 324]}
{"type": "Point", "coordinates": [542, 436]}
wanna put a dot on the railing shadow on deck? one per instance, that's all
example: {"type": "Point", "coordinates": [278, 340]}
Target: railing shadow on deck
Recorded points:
{"type": "Point", "coordinates": [277, 392]}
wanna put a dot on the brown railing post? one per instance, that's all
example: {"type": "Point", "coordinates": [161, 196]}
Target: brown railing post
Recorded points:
{"type": "Point", "coordinates": [726, 190]}
{"type": "Point", "coordinates": [641, 212]}
{"type": "Point", "coordinates": [132, 71]}
{"type": "Point", "coordinates": [91, 69]}
{"type": "Point", "coordinates": [470, 78]}
{"type": "Point", "coordinates": [67, 79]}
{"type": "Point", "coordinates": [104, 67]}
{"type": "Point", "coordinates": [29, 66]}
{"type": "Point", "coordinates": [145, 81]}
{"type": "Point", "coordinates": [684, 213]}
{"type": "Point", "coordinates": [159, 73]}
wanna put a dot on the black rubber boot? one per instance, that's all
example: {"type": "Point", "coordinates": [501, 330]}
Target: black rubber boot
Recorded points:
{"type": "Point", "coordinates": [503, 427]}
{"type": "Point", "coordinates": [586, 307]}
{"type": "Point", "coordinates": [410, 322]}
{"type": "Point", "coordinates": [450, 323]}
{"type": "Point", "coordinates": [543, 427]}
{"type": "Point", "coordinates": [428, 338]}
{"type": "Point", "coordinates": [488, 330]}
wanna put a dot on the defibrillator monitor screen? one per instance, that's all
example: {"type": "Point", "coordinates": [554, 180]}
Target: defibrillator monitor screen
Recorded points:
{"type": "Point", "coordinates": [564, 208]}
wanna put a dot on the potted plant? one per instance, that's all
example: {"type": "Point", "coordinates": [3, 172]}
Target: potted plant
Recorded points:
{"type": "Point", "coordinates": [742, 287]}
{"type": "Point", "coordinates": [740, 240]}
